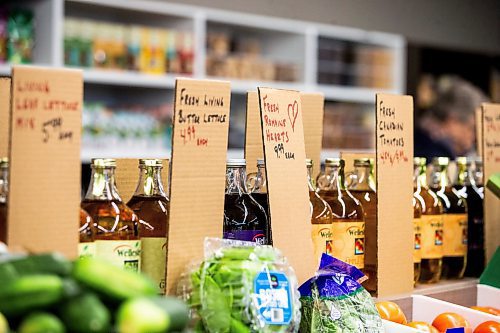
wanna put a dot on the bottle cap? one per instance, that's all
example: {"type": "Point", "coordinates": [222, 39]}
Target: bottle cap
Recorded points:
{"type": "Point", "coordinates": [362, 162]}
{"type": "Point", "coordinates": [260, 162]}
{"type": "Point", "coordinates": [236, 162]}
{"type": "Point", "coordinates": [154, 162]}
{"type": "Point", "coordinates": [309, 162]}
{"type": "Point", "coordinates": [420, 161]}
{"type": "Point", "coordinates": [333, 161]}
{"type": "Point", "coordinates": [103, 162]}
{"type": "Point", "coordinates": [4, 162]}
{"type": "Point", "coordinates": [441, 161]}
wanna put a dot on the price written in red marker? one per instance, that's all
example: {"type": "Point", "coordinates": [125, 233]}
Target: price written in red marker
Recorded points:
{"type": "Point", "coordinates": [393, 157]}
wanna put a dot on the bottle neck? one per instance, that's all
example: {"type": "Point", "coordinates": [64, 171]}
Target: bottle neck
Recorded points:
{"type": "Point", "coordinates": [261, 180]}
{"type": "Point", "coordinates": [362, 175]}
{"type": "Point", "coordinates": [439, 177]}
{"type": "Point", "coordinates": [421, 176]}
{"type": "Point", "coordinates": [310, 178]}
{"type": "Point", "coordinates": [336, 177]}
{"type": "Point", "coordinates": [102, 184]}
{"type": "Point", "coordinates": [150, 183]}
{"type": "Point", "coordinates": [474, 175]}
{"type": "Point", "coordinates": [236, 180]}
{"type": "Point", "coordinates": [462, 175]}
{"type": "Point", "coordinates": [4, 184]}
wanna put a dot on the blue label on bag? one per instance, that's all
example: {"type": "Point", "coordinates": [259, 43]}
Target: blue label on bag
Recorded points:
{"type": "Point", "coordinates": [273, 298]}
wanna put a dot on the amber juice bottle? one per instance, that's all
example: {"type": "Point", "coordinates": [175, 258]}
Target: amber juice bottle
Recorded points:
{"type": "Point", "coordinates": [115, 225]}
{"type": "Point", "coordinates": [321, 219]}
{"type": "Point", "coordinates": [431, 225]}
{"type": "Point", "coordinates": [417, 236]}
{"type": "Point", "coordinates": [151, 205]}
{"type": "Point", "coordinates": [348, 224]}
{"type": "Point", "coordinates": [86, 245]}
{"type": "Point", "coordinates": [455, 221]}
{"type": "Point", "coordinates": [4, 191]}
{"type": "Point", "coordinates": [363, 190]}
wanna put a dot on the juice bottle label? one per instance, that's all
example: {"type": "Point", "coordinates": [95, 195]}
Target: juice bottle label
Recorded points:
{"type": "Point", "coordinates": [455, 235]}
{"type": "Point", "coordinates": [417, 243]}
{"type": "Point", "coordinates": [121, 253]}
{"type": "Point", "coordinates": [153, 260]}
{"type": "Point", "coordinates": [256, 236]}
{"type": "Point", "coordinates": [86, 249]}
{"type": "Point", "coordinates": [322, 238]}
{"type": "Point", "coordinates": [349, 242]}
{"type": "Point", "coordinates": [432, 236]}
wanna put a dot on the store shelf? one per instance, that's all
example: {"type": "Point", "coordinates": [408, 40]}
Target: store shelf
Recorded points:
{"type": "Point", "coordinates": [352, 94]}
{"type": "Point", "coordinates": [129, 78]}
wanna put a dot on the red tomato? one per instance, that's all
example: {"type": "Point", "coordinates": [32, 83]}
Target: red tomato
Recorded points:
{"type": "Point", "coordinates": [488, 327]}
{"type": "Point", "coordinates": [487, 309]}
{"type": "Point", "coordinates": [423, 327]}
{"type": "Point", "coordinates": [391, 311]}
{"type": "Point", "coordinates": [449, 320]}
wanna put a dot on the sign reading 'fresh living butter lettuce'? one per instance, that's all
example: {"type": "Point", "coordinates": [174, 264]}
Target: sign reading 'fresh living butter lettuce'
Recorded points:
{"type": "Point", "coordinates": [199, 145]}
{"type": "Point", "coordinates": [283, 141]}
{"type": "Point", "coordinates": [394, 152]}
{"type": "Point", "coordinates": [46, 113]}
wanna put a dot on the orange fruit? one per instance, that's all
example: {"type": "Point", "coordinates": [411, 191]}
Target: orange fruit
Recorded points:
{"type": "Point", "coordinates": [487, 309]}
{"type": "Point", "coordinates": [422, 326]}
{"type": "Point", "coordinates": [489, 326]}
{"type": "Point", "coordinates": [449, 320]}
{"type": "Point", "coordinates": [391, 311]}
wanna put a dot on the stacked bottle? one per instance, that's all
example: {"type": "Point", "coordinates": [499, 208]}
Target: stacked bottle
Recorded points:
{"type": "Point", "coordinates": [348, 224]}
{"type": "Point", "coordinates": [4, 193]}
{"type": "Point", "coordinates": [431, 225]}
{"type": "Point", "coordinates": [244, 218]}
{"type": "Point", "coordinates": [454, 220]}
{"type": "Point", "coordinates": [417, 238]}
{"type": "Point", "coordinates": [86, 245]}
{"type": "Point", "coordinates": [151, 204]}
{"type": "Point", "coordinates": [115, 229]}
{"type": "Point", "coordinates": [321, 219]}
{"type": "Point", "coordinates": [469, 185]}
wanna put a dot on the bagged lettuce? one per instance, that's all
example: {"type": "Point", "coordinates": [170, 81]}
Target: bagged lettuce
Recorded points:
{"type": "Point", "coordinates": [240, 287]}
{"type": "Point", "coordinates": [334, 301]}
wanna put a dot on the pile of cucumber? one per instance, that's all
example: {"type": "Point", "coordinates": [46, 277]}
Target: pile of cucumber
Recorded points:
{"type": "Point", "coordinates": [47, 293]}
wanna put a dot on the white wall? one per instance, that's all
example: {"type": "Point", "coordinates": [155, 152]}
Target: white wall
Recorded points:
{"type": "Point", "coordinates": [463, 24]}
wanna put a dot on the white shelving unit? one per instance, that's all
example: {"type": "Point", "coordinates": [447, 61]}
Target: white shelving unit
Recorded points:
{"type": "Point", "coordinates": [282, 39]}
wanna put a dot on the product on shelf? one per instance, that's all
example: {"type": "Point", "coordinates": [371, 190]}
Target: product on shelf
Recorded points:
{"type": "Point", "coordinates": [4, 192]}
{"type": "Point", "coordinates": [391, 311]}
{"type": "Point", "coordinates": [432, 225]}
{"type": "Point", "coordinates": [487, 309]}
{"type": "Point", "coordinates": [489, 326]}
{"type": "Point", "coordinates": [115, 225]}
{"type": "Point", "coordinates": [363, 189]}
{"type": "Point", "coordinates": [448, 320]}
{"type": "Point", "coordinates": [348, 224]}
{"type": "Point", "coordinates": [86, 245]}
{"type": "Point", "coordinates": [150, 203]}
{"type": "Point", "coordinates": [334, 301]}
{"type": "Point", "coordinates": [104, 45]}
{"type": "Point", "coordinates": [417, 238]}
{"type": "Point", "coordinates": [469, 185]}
{"type": "Point", "coordinates": [423, 327]}
{"type": "Point", "coordinates": [455, 221]}
{"type": "Point", "coordinates": [20, 36]}
{"type": "Point", "coordinates": [257, 186]}
{"type": "Point", "coordinates": [242, 58]}
{"type": "Point", "coordinates": [321, 218]}
{"type": "Point", "coordinates": [240, 287]}
{"type": "Point", "coordinates": [244, 218]}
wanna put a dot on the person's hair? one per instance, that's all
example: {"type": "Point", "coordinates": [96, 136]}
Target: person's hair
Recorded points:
{"type": "Point", "coordinates": [456, 97]}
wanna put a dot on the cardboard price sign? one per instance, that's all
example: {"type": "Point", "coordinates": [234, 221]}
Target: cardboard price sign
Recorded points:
{"type": "Point", "coordinates": [394, 150]}
{"type": "Point", "coordinates": [4, 116]}
{"type": "Point", "coordinates": [253, 133]}
{"type": "Point", "coordinates": [283, 139]}
{"type": "Point", "coordinates": [491, 160]}
{"type": "Point", "coordinates": [44, 197]}
{"type": "Point", "coordinates": [313, 106]}
{"type": "Point", "coordinates": [199, 145]}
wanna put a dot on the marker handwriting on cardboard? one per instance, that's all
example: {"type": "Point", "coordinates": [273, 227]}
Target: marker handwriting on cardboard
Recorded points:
{"type": "Point", "coordinates": [53, 129]}
{"type": "Point", "coordinates": [390, 135]}
{"type": "Point", "coordinates": [492, 145]}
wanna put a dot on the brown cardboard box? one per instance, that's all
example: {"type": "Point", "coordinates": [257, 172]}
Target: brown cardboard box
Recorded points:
{"type": "Point", "coordinates": [4, 116]}
{"type": "Point", "coordinates": [253, 133]}
{"type": "Point", "coordinates": [44, 197]}
{"type": "Point", "coordinates": [313, 106]}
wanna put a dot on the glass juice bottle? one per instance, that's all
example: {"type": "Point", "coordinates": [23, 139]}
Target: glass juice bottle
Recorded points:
{"type": "Point", "coordinates": [244, 218]}
{"type": "Point", "coordinates": [86, 245]}
{"type": "Point", "coordinates": [455, 221]}
{"type": "Point", "coordinates": [115, 225]}
{"type": "Point", "coordinates": [151, 205]}
{"type": "Point", "coordinates": [321, 219]}
{"type": "Point", "coordinates": [470, 185]}
{"type": "Point", "coordinates": [257, 186]}
{"type": "Point", "coordinates": [362, 189]}
{"type": "Point", "coordinates": [348, 224]}
{"type": "Point", "coordinates": [431, 223]}
{"type": "Point", "coordinates": [417, 236]}
{"type": "Point", "coordinates": [4, 192]}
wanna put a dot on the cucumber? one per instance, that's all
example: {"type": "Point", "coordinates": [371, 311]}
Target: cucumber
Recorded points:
{"type": "Point", "coordinates": [4, 325]}
{"type": "Point", "coordinates": [110, 280]}
{"type": "Point", "coordinates": [29, 293]}
{"type": "Point", "coordinates": [85, 314]}
{"type": "Point", "coordinates": [152, 315]}
{"type": "Point", "coordinates": [41, 322]}
{"type": "Point", "coordinates": [45, 263]}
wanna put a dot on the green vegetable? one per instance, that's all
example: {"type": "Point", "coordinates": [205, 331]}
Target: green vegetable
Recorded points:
{"type": "Point", "coordinates": [46, 263]}
{"type": "Point", "coordinates": [4, 325]}
{"type": "Point", "coordinates": [29, 293]}
{"type": "Point", "coordinates": [85, 314]}
{"type": "Point", "coordinates": [111, 281]}
{"type": "Point", "coordinates": [41, 322]}
{"type": "Point", "coordinates": [152, 315]}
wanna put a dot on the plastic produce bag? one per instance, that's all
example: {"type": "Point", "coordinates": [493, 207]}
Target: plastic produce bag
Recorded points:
{"type": "Point", "coordinates": [335, 301]}
{"type": "Point", "coordinates": [240, 287]}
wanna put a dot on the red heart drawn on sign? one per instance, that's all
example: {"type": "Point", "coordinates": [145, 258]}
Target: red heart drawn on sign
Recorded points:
{"type": "Point", "coordinates": [294, 109]}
